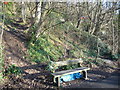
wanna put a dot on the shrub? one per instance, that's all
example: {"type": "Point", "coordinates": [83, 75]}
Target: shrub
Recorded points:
{"type": "Point", "coordinates": [12, 69]}
{"type": "Point", "coordinates": [42, 50]}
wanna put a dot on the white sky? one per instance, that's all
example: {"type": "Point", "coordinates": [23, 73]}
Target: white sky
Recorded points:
{"type": "Point", "coordinates": [61, 0]}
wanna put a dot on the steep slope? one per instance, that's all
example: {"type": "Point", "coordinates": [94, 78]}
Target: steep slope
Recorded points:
{"type": "Point", "coordinates": [33, 74]}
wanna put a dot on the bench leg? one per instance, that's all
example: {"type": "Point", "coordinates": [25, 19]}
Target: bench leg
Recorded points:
{"type": "Point", "coordinates": [85, 75]}
{"type": "Point", "coordinates": [54, 80]}
{"type": "Point", "coordinates": [79, 65]}
{"type": "Point", "coordinates": [58, 81]}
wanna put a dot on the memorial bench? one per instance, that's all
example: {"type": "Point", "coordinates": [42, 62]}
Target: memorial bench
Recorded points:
{"type": "Point", "coordinates": [57, 75]}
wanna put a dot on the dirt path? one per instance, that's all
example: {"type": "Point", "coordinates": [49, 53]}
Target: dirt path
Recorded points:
{"type": "Point", "coordinates": [110, 81]}
{"type": "Point", "coordinates": [14, 50]}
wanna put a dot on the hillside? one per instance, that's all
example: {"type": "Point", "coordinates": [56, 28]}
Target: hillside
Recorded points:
{"type": "Point", "coordinates": [34, 74]}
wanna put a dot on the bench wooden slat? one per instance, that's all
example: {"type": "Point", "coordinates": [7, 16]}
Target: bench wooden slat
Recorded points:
{"type": "Point", "coordinates": [66, 72]}
{"type": "Point", "coordinates": [67, 62]}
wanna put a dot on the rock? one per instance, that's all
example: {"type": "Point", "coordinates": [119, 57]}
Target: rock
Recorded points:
{"type": "Point", "coordinates": [9, 57]}
{"type": "Point", "coordinates": [93, 65]}
{"type": "Point", "coordinates": [108, 62]}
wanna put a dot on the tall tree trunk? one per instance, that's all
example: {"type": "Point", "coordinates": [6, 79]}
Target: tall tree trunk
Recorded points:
{"type": "Point", "coordinates": [23, 12]}
{"type": "Point", "coordinates": [113, 37]}
{"type": "Point", "coordinates": [2, 18]}
{"type": "Point", "coordinates": [40, 23]}
{"type": "Point", "coordinates": [79, 15]}
{"type": "Point", "coordinates": [119, 32]}
{"type": "Point", "coordinates": [38, 11]}
{"type": "Point", "coordinates": [97, 19]}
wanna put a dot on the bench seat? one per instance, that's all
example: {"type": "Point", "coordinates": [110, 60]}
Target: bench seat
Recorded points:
{"type": "Point", "coordinates": [67, 72]}
{"type": "Point", "coordinates": [71, 71]}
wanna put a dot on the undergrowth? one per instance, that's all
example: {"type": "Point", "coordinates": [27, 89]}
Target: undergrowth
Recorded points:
{"type": "Point", "coordinates": [45, 49]}
{"type": "Point", "coordinates": [42, 50]}
{"type": "Point", "coordinates": [67, 43]}
{"type": "Point", "coordinates": [12, 69]}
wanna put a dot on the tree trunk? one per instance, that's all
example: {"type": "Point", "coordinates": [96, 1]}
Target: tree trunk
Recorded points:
{"type": "Point", "coordinates": [1, 38]}
{"type": "Point", "coordinates": [119, 31]}
{"type": "Point", "coordinates": [38, 11]}
{"type": "Point", "coordinates": [40, 23]}
{"type": "Point", "coordinates": [79, 14]}
{"type": "Point", "coordinates": [23, 12]}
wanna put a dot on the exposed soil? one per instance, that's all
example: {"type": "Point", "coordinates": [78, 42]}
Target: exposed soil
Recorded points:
{"type": "Point", "coordinates": [34, 74]}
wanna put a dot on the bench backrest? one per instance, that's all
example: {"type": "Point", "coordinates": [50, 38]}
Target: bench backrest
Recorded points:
{"type": "Point", "coordinates": [67, 62]}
